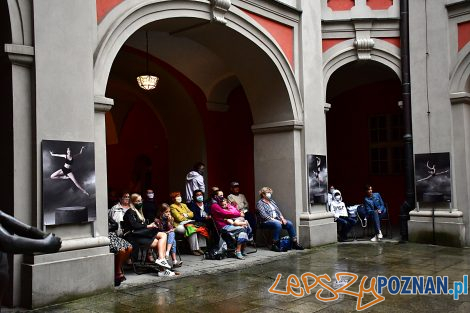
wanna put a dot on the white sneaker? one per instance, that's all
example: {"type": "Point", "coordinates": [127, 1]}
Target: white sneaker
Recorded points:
{"type": "Point", "coordinates": [162, 263]}
{"type": "Point", "coordinates": [374, 239]}
{"type": "Point", "coordinates": [380, 236]}
{"type": "Point", "coordinates": [166, 273]}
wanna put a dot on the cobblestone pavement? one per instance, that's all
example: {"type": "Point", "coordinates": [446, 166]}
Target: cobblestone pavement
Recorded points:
{"type": "Point", "coordinates": [242, 286]}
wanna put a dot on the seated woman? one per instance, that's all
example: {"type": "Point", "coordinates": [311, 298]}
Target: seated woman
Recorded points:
{"type": "Point", "coordinates": [271, 217]}
{"type": "Point", "coordinates": [338, 208]}
{"type": "Point", "coordinates": [164, 221]}
{"type": "Point", "coordinates": [182, 216]}
{"type": "Point", "coordinates": [202, 215]}
{"type": "Point", "coordinates": [116, 212]}
{"type": "Point", "coordinates": [137, 232]}
{"type": "Point", "coordinates": [121, 249]}
{"type": "Point", "coordinates": [227, 219]}
{"type": "Point", "coordinates": [375, 208]}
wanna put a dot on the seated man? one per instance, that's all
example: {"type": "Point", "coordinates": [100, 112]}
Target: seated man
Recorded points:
{"type": "Point", "coordinates": [376, 209]}
{"type": "Point", "coordinates": [272, 218]}
{"type": "Point", "coordinates": [239, 201]}
{"type": "Point", "coordinates": [338, 208]}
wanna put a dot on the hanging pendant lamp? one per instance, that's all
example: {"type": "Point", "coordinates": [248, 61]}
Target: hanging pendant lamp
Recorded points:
{"type": "Point", "coordinates": [147, 81]}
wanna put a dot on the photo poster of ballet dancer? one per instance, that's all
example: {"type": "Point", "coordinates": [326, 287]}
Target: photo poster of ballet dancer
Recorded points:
{"type": "Point", "coordinates": [68, 182]}
{"type": "Point", "coordinates": [432, 174]}
{"type": "Point", "coordinates": [317, 179]}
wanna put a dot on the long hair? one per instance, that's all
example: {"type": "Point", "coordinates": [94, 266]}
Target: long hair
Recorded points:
{"type": "Point", "coordinates": [163, 208]}
{"type": "Point", "coordinates": [139, 212]}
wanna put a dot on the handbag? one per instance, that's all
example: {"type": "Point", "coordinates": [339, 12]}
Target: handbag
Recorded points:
{"type": "Point", "coordinates": [145, 232]}
{"type": "Point", "coordinates": [285, 243]}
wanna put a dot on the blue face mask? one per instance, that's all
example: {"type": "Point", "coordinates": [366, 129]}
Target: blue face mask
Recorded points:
{"type": "Point", "coordinates": [199, 198]}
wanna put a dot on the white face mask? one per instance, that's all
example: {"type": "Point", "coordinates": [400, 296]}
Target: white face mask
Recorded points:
{"type": "Point", "coordinates": [268, 195]}
{"type": "Point", "coordinates": [178, 199]}
{"type": "Point", "coordinates": [338, 197]}
{"type": "Point", "coordinates": [150, 195]}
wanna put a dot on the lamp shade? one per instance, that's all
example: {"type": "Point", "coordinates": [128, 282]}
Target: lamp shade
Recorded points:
{"type": "Point", "coordinates": [147, 82]}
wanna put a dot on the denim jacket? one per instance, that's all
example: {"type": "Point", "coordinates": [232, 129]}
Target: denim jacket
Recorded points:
{"type": "Point", "coordinates": [374, 202]}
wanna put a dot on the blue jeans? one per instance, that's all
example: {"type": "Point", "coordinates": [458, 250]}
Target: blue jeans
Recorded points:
{"type": "Point", "coordinates": [276, 227]}
{"type": "Point", "coordinates": [346, 224]}
{"type": "Point", "coordinates": [376, 218]}
{"type": "Point", "coordinates": [170, 240]}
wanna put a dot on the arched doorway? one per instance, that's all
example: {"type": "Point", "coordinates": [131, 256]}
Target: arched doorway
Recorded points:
{"type": "Point", "coordinates": [237, 63]}
{"type": "Point", "coordinates": [364, 133]}
{"type": "Point", "coordinates": [172, 127]}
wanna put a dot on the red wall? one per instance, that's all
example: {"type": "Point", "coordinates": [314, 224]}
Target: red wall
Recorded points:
{"type": "Point", "coordinates": [228, 136]}
{"type": "Point", "coordinates": [141, 134]}
{"type": "Point", "coordinates": [340, 5]}
{"type": "Point", "coordinates": [348, 144]}
{"type": "Point", "coordinates": [230, 146]}
{"type": "Point", "coordinates": [463, 34]}
{"type": "Point", "coordinates": [104, 6]}
{"type": "Point", "coordinates": [379, 4]}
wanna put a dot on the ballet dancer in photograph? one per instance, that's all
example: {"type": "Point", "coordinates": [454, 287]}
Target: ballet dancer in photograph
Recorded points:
{"type": "Point", "coordinates": [66, 171]}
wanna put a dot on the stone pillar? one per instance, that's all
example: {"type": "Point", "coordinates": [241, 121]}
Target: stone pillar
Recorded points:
{"type": "Point", "coordinates": [277, 162]}
{"type": "Point", "coordinates": [447, 225]}
{"type": "Point", "coordinates": [23, 114]}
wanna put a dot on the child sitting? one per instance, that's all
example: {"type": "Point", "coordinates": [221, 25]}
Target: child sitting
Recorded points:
{"type": "Point", "coordinates": [164, 221]}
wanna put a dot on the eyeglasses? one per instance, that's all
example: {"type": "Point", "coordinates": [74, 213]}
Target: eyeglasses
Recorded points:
{"type": "Point", "coordinates": [126, 197]}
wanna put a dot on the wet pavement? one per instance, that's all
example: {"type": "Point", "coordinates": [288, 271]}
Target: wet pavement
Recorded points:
{"type": "Point", "coordinates": [234, 285]}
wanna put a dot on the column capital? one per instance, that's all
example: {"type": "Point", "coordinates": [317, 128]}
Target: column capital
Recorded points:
{"type": "Point", "coordinates": [20, 54]}
{"type": "Point", "coordinates": [103, 104]}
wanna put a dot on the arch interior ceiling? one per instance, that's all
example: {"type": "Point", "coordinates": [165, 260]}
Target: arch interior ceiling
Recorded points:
{"type": "Point", "coordinates": [371, 72]}
{"type": "Point", "coordinates": [217, 59]}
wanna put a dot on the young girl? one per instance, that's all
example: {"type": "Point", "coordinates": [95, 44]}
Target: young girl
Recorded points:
{"type": "Point", "coordinates": [164, 221]}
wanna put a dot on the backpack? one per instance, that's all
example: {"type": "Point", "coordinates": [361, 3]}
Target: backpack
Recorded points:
{"type": "Point", "coordinates": [362, 214]}
{"type": "Point", "coordinates": [352, 210]}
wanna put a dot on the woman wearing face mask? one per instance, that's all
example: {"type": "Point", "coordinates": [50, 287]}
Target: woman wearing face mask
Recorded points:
{"type": "Point", "coordinates": [202, 215]}
{"type": "Point", "coordinates": [271, 218]}
{"type": "Point", "coordinates": [338, 208]}
{"type": "Point", "coordinates": [137, 232]}
{"type": "Point", "coordinates": [183, 215]}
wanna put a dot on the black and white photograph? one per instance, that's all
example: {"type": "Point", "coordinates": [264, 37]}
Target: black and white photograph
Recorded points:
{"type": "Point", "coordinates": [433, 181]}
{"type": "Point", "coordinates": [317, 179]}
{"type": "Point", "coordinates": [68, 182]}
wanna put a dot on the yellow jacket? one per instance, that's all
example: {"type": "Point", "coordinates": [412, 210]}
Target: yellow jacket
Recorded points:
{"type": "Point", "coordinates": [178, 211]}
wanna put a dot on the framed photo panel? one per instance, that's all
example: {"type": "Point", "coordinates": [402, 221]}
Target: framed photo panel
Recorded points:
{"type": "Point", "coordinates": [68, 182]}
{"type": "Point", "coordinates": [433, 181]}
{"type": "Point", "coordinates": [317, 179]}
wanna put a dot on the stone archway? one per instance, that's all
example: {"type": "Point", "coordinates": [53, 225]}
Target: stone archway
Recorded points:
{"type": "Point", "coordinates": [271, 89]}
{"type": "Point", "coordinates": [345, 52]}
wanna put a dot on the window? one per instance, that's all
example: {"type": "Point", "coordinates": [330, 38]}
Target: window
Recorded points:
{"type": "Point", "coordinates": [386, 144]}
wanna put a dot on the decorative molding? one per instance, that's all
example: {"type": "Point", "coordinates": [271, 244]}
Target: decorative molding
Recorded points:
{"type": "Point", "coordinates": [428, 213]}
{"type": "Point", "coordinates": [20, 55]}
{"type": "Point", "coordinates": [460, 98]}
{"type": "Point", "coordinates": [306, 216]}
{"type": "Point", "coordinates": [458, 9]}
{"type": "Point", "coordinates": [103, 104]}
{"type": "Point", "coordinates": [84, 243]}
{"type": "Point", "coordinates": [277, 127]}
{"type": "Point", "coordinates": [327, 107]}
{"type": "Point", "coordinates": [218, 10]}
{"type": "Point", "coordinates": [364, 47]}
{"type": "Point", "coordinates": [363, 43]}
